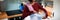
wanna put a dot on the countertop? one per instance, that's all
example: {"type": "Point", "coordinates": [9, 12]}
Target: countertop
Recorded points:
{"type": "Point", "coordinates": [4, 15]}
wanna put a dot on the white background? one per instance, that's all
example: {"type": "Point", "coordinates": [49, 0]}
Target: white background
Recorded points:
{"type": "Point", "coordinates": [56, 9]}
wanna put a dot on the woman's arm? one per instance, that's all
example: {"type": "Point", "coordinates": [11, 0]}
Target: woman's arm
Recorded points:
{"type": "Point", "coordinates": [26, 12]}
{"type": "Point", "coordinates": [40, 7]}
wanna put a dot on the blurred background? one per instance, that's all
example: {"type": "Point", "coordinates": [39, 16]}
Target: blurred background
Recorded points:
{"type": "Point", "coordinates": [7, 5]}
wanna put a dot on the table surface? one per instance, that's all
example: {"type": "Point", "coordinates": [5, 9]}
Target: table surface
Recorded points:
{"type": "Point", "coordinates": [4, 15]}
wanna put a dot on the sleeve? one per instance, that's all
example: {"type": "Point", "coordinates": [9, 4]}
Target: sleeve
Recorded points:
{"type": "Point", "coordinates": [41, 7]}
{"type": "Point", "coordinates": [26, 12]}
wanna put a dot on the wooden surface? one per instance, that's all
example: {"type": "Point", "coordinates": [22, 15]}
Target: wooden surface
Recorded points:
{"type": "Point", "coordinates": [4, 15]}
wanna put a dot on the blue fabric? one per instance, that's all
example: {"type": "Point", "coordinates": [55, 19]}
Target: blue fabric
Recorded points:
{"type": "Point", "coordinates": [35, 17]}
{"type": "Point", "coordinates": [21, 7]}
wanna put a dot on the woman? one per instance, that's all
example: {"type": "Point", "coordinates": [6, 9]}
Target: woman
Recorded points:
{"type": "Point", "coordinates": [35, 7]}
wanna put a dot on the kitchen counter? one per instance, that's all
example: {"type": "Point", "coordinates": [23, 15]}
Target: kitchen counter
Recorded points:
{"type": "Point", "coordinates": [4, 15]}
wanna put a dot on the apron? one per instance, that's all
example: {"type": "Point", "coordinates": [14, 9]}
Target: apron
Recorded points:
{"type": "Point", "coordinates": [35, 16]}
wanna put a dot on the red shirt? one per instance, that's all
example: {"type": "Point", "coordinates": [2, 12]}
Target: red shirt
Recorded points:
{"type": "Point", "coordinates": [36, 7]}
